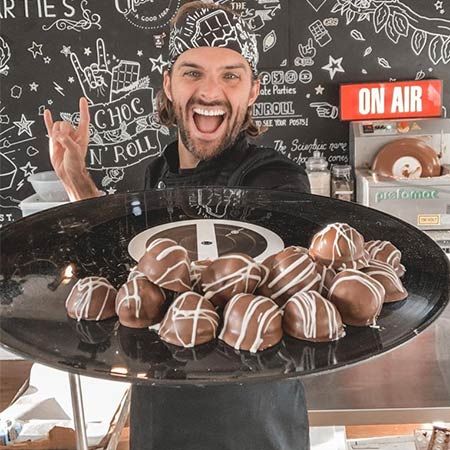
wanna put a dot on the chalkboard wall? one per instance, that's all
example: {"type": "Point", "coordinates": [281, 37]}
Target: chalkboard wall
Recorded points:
{"type": "Point", "coordinates": [48, 48]}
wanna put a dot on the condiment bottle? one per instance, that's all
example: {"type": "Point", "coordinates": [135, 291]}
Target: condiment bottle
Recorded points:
{"type": "Point", "coordinates": [342, 183]}
{"type": "Point", "coordinates": [318, 174]}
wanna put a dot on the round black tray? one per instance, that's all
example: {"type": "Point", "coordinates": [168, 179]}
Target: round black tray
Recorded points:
{"type": "Point", "coordinates": [92, 238]}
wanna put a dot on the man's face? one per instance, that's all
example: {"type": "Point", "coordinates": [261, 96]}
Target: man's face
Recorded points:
{"type": "Point", "coordinates": [211, 90]}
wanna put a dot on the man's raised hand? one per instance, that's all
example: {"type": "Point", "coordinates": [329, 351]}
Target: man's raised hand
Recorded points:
{"type": "Point", "coordinates": [68, 148]}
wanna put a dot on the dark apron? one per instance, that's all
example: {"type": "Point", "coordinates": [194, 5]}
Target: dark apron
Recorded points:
{"type": "Point", "coordinates": [251, 416]}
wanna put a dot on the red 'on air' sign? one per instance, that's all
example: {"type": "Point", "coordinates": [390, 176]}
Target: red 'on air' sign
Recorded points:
{"type": "Point", "coordinates": [396, 100]}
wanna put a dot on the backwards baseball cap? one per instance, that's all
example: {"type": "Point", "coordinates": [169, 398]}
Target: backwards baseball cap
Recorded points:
{"type": "Point", "coordinates": [208, 27]}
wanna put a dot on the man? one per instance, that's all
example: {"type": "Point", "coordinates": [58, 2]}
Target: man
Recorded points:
{"type": "Point", "coordinates": [208, 90]}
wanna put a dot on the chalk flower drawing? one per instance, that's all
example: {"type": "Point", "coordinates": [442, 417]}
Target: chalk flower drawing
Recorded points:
{"type": "Point", "coordinates": [398, 20]}
{"type": "Point", "coordinates": [84, 24]}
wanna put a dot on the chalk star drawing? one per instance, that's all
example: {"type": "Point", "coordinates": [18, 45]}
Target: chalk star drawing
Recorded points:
{"type": "Point", "coordinates": [111, 191]}
{"type": "Point", "coordinates": [334, 66]}
{"type": "Point", "coordinates": [158, 64]}
{"type": "Point", "coordinates": [87, 51]}
{"type": "Point", "coordinates": [140, 52]}
{"type": "Point", "coordinates": [438, 5]}
{"type": "Point", "coordinates": [66, 50]}
{"type": "Point", "coordinates": [47, 59]}
{"type": "Point", "coordinates": [71, 79]}
{"type": "Point", "coordinates": [28, 169]}
{"type": "Point", "coordinates": [24, 125]}
{"type": "Point", "coordinates": [35, 49]}
{"type": "Point", "coordinates": [319, 89]}
{"type": "Point", "coordinates": [33, 86]}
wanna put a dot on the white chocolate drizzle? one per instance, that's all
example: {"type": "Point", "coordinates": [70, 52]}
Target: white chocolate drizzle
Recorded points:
{"type": "Point", "coordinates": [85, 288]}
{"type": "Point", "coordinates": [343, 244]}
{"type": "Point", "coordinates": [392, 255]}
{"type": "Point", "coordinates": [374, 287]}
{"type": "Point", "coordinates": [306, 304]}
{"type": "Point", "coordinates": [178, 312]}
{"type": "Point", "coordinates": [263, 320]}
{"type": "Point", "coordinates": [385, 270]}
{"type": "Point", "coordinates": [249, 271]}
{"type": "Point", "coordinates": [308, 274]}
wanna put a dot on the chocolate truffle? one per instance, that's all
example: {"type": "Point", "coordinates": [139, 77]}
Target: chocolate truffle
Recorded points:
{"type": "Point", "coordinates": [251, 323]}
{"type": "Point", "coordinates": [91, 298]}
{"type": "Point", "coordinates": [191, 320]}
{"type": "Point", "coordinates": [339, 246]}
{"type": "Point", "coordinates": [197, 267]}
{"type": "Point", "coordinates": [292, 271]}
{"type": "Point", "coordinates": [385, 274]}
{"type": "Point", "coordinates": [327, 275]}
{"type": "Point", "coordinates": [309, 316]}
{"type": "Point", "coordinates": [139, 303]}
{"type": "Point", "coordinates": [358, 297]}
{"type": "Point", "coordinates": [134, 273]}
{"type": "Point", "coordinates": [385, 251]}
{"type": "Point", "coordinates": [230, 275]}
{"type": "Point", "coordinates": [167, 265]}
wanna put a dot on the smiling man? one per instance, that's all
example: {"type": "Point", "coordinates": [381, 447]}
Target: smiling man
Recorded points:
{"type": "Point", "coordinates": [208, 92]}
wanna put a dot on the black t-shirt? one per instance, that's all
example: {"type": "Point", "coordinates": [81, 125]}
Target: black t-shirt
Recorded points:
{"type": "Point", "coordinates": [241, 165]}
{"type": "Point", "coordinates": [255, 416]}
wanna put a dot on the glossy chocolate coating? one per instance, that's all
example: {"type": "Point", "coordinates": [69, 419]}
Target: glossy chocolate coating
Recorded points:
{"type": "Point", "coordinates": [339, 246]}
{"type": "Point", "coordinates": [292, 270]}
{"type": "Point", "coordinates": [91, 298]}
{"type": "Point", "coordinates": [251, 323]}
{"type": "Point", "coordinates": [311, 317]}
{"type": "Point", "coordinates": [166, 264]}
{"type": "Point", "coordinates": [387, 252]}
{"type": "Point", "coordinates": [140, 303]}
{"type": "Point", "coordinates": [358, 297]}
{"type": "Point", "coordinates": [385, 274]}
{"type": "Point", "coordinates": [230, 275]}
{"type": "Point", "coordinates": [191, 320]}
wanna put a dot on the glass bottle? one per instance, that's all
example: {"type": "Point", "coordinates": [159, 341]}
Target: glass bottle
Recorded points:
{"type": "Point", "coordinates": [318, 174]}
{"type": "Point", "coordinates": [342, 183]}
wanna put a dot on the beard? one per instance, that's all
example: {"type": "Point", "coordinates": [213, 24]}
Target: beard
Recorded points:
{"type": "Point", "coordinates": [201, 150]}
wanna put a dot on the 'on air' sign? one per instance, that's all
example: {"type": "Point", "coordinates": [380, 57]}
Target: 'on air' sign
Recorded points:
{"type": "Point", "coordinates": [395, 100]}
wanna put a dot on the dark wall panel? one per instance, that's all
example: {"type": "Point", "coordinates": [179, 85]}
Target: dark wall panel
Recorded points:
{"type": "Point", "coordinates": [49, 49]}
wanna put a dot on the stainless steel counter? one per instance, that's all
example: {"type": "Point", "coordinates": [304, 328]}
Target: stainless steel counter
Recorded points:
{"type": "Point", "coordinates": [410, 384]}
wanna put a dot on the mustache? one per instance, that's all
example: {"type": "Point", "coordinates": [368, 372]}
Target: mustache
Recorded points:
{"type": "Point", "coordinates": [196, 101]}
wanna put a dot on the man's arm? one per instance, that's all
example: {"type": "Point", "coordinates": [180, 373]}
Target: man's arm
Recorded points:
{"type": "Point", "coordinates": [68, 148]}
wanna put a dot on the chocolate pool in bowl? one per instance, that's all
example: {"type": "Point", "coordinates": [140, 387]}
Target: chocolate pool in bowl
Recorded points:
{"type": "Point", "coordinates": [407, 158]}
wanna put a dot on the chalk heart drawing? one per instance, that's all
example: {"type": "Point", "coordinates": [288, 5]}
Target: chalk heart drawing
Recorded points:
{"type": "Point", "coordinates": [397, 20]}
{"type": "Point", "coordinates": [124, 128]}
{"type": "Point", "coordinates": [316, 4]}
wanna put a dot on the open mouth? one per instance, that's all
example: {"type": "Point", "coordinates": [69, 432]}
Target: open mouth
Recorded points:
{"type": "Point", "coordinates": [208, 121]}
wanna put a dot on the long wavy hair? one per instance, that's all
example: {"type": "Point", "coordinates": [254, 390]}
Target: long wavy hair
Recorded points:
{"type": "Point", "coordinates": [164, 106]}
